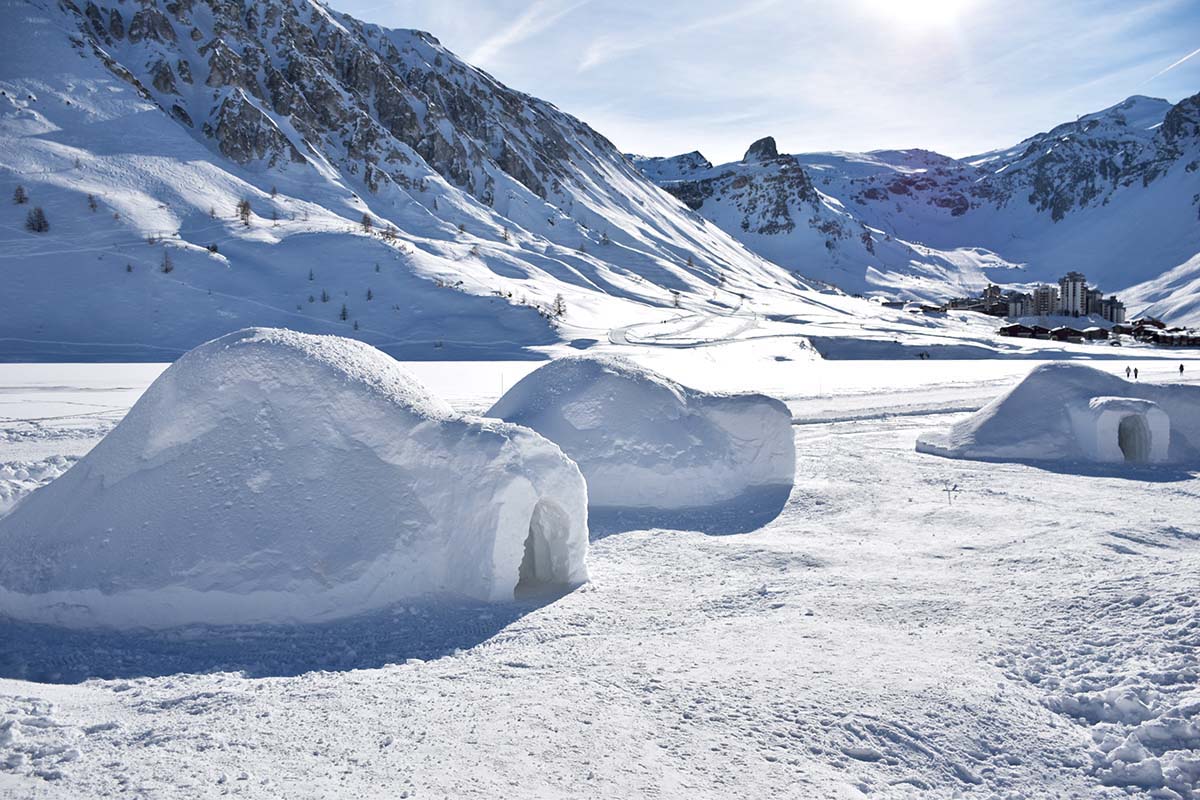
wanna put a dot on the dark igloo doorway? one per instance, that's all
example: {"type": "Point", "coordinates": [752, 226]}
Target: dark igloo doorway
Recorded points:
{"type": "Point", "coordinates": [1133, 437]}
{"type": "Point", "coordinates": [541, 565]}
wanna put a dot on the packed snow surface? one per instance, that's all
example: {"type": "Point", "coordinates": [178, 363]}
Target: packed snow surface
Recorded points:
{"type": "Point", "coordinates": [274, 476]}
{"type": "Point", "coordinates": [1072, 412]}
{"type": "Point", "coordinates": [645, 441]}
{"type": "Point", "coordinates": [1034, 635]}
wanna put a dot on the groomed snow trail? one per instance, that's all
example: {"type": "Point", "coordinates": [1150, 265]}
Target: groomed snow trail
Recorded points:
{"type": "Point", "coordinates": [909, 626]}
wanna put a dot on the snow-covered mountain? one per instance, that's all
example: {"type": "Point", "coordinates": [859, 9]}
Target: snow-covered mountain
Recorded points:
{"type": "Point", "coordinates": [1115, 194]}
{"type": "Point", "coordinates": [772, 203]}
{"type": "Point", "coordinates": [205, 165]}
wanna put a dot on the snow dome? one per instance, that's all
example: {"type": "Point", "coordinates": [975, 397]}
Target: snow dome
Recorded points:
{"type": "Point", "coordinates": [1071, 412]}
{"type": "Point", "coordinates": [274, 476]}
{"type": "Point", "coordinates": [644, 441]}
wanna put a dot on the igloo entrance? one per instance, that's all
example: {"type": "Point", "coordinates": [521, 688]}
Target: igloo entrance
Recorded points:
{"type": "Point", "coordinates": [1133, 437]}
{"type": "Point", "coordinates": [544, 563]}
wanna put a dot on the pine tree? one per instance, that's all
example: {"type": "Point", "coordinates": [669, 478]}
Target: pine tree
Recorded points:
{"type": "Point", "coordinates": [92, 204]}
{"type": "Point", "coordinates": [19, 196]}
{"type": "Point", "coordinates": [560, 306]}
{"type": "Point", "coordinates": [324, 296]}
{"type": "Point", "coordinates": [370, 294]}
{"type": "Point", "coordinates": [312, 299]}
{"type": "Point", "coordinates": [355, 324]}
{"type": "Point", "coordinates": [129, 267]}
{"type": "Point", "coordinates": [243, 211]}
{"type": "Point", "coordinates": [377, 266]}
{"type": "Point", "coordinates": [344, 315]}
{"type": "Point", "coordinates": [367, 223]}
{"type": "Point", "coordinates": [310, 274]}
{"type": "Point", "coordinates": [36, 222]}
{"type": "Point", "coordinates": [168, 266]}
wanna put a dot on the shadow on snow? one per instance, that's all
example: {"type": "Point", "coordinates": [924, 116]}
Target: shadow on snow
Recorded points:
{"type": "Point", "coordinates": [421, 630]}
{"type": "Point", "coordinates": [748, 512]}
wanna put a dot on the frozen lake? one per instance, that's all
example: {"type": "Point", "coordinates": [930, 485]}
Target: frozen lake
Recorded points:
{"type": "Point", "coordinates": [908, 626]}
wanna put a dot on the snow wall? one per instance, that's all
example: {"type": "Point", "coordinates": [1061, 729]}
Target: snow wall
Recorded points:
{"type": "Point", "coordinates": [644, 441]}
{"type": "Point", "coordinates": [274, 476]}
{"type": "Point", "coordinates": [1072, 412]}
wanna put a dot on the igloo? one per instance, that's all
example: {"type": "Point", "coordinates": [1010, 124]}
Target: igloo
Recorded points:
{"type": "Point", "coordinates": [646, 442]}
{"type": "Point", "coordinates": [1072, 412]}
{"type": "Point", "coordinates": [273, 476]}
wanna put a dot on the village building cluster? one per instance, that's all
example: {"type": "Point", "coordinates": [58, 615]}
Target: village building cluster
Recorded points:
{"type": "Point", "coordinates": [1072, 297]}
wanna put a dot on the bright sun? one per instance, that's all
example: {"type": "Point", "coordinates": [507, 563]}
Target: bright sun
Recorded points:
{"type": "Point", "coordinates": [918, 15]}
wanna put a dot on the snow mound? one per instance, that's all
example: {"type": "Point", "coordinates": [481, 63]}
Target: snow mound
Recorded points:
{"type": "Point", "coordinates": [644, 441]}
{"type": "Point", "coordinates": [275, 476]}
{"type": "Point", "coordinates": [1071, 412]}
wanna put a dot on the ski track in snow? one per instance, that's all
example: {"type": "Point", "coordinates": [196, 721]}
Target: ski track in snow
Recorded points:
{"type": "Point", "coordinates": [1031, 635]}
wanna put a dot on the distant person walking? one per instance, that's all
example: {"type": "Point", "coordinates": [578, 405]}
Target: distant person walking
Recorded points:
{"type": "Point", "coordinates": [1181, 370]}
{"type": "Point", "coordinates": [1127, 372]}
{"type": "Point", "coordinates": [1135, 373]}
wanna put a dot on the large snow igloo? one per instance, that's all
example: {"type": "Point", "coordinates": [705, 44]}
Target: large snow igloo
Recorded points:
{"type": "Point", "coordinates": [1071, 412]}
{"type": "Point", "coordinates": [274, 476]}
{"type": "Point", "coordinates": [646, 442]}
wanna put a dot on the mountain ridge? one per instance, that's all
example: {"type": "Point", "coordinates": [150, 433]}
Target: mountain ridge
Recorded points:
{"type": "Point", "coordinates": [1037, 209]}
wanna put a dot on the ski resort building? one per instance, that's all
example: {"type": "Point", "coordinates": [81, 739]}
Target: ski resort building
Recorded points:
{"type": "Point", "coordinates": [1073, 294]}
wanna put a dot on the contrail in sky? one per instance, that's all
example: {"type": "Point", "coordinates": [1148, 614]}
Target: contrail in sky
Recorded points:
{"type": "Point", "coordinates": [1173, 66]}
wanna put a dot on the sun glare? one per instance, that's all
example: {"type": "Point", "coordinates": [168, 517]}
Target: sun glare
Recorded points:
{"type": "Point", "coordinates": [918, 15]}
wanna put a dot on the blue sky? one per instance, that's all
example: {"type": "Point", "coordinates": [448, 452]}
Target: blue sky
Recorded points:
{"type": "Point", "coordinates": [957, 76]}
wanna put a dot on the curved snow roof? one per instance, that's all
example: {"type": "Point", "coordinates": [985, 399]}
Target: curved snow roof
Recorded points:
{"type": "Point", "coordinates": [644, 441]}
{"type": "Point", "coordinates": [1033, 420]}
{"type": "Point", "coordinates": [274, 476]}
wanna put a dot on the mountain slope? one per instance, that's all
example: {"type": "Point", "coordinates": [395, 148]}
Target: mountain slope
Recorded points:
{"type": "Point", "coordinates": [1114, 194]}
{"type": "Point", "coordinates": [443, 211]}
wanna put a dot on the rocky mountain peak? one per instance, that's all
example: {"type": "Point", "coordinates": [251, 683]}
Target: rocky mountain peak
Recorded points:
{"type": "Point", "coordinates": [762, 150]}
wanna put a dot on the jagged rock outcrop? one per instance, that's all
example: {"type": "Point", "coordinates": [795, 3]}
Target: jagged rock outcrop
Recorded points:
{"type": "Point", "coordinates": [762, 150]}
{"type": "Point", "coordinates": [244, 133]}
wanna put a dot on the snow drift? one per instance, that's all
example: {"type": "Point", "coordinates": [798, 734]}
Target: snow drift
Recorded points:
{"type": "Point", "coordinates": [274, 476]}
{"type": "Point", "coordinates": [1070, 412]}
{"type": "Point", "coordinates": [644, 441]}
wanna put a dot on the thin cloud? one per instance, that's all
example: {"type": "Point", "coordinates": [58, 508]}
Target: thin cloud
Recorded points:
{"type": "Point", "coordinates": [1160, 73]}
{"type": "Point", "coordinates": [535, 19]}
{"type": "Point", "coordinates": [608, 48]}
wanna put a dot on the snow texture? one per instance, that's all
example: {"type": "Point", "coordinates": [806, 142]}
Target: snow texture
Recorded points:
{"type": "Point", "coordinates": [274, 476]}
{"type": "Point", "coordinates": [644, 441]}
{"type": "Point", "coordinates": [1071, 412]}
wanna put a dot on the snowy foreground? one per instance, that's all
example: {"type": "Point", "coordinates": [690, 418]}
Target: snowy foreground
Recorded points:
{"type": "Point", "coordinates": [907, 626]}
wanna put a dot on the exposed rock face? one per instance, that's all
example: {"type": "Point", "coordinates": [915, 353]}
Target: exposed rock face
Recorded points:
{"type": "Point", "coordinates": [376, 102]}
{"type": "Point", "coordinates": [765, 195]}
{"type": "Point", "coordinates": [164, 78]}
{"type": "Point", "coordinates": [1181, 127]}
{"type": "Point", "coordinates": [762, 150]}
{"type": "Point", "coordinates": [246, 134]}
{"type": "Point", "coordinates": [150, 23]}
